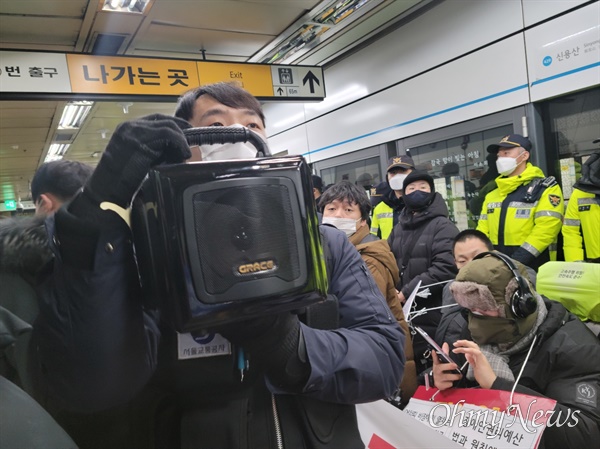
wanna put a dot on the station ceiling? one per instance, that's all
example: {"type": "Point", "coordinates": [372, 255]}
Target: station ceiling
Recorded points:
{"type": "Point", "coordinates": [215, 30]}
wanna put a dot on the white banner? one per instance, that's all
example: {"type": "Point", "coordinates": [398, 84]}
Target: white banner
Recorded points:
{"type": "Point", "coordinates": [383, 426]}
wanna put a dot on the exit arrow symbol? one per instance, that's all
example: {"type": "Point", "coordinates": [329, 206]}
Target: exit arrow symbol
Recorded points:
{"type": "Point", "coordinates": [311, 79]}
{"type": "Point", "coordinates": [280, 91]}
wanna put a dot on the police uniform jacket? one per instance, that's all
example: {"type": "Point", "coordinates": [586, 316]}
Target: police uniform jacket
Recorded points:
{"type": "Point", "coordinates": [581, 234]}
{"type": "Point", "coordinates": [100, 348]}
{"type": "Point", "coordinates": [522, 229]}
{"type": "Point", "coordinates": [386, 215]}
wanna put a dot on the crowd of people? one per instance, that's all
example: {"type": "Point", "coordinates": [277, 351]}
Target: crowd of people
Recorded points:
{"type": "Point", "coordinates": [109, 371]}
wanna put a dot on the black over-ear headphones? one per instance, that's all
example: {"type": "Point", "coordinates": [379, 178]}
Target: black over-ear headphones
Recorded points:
{"type": "Point", "coordinates": [522, 302]}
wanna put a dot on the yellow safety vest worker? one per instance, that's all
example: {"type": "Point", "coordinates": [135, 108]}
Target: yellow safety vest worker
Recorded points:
{"type": "Point", "coordinates": [521, 220]}
{"type": "Point", "coordinates": [581, 229]}
{"type": "Point", "coordinates": [383, 221]}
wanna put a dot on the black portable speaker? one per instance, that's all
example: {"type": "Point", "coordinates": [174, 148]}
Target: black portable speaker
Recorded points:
{"type": "Point", "coordinates": [218, 242]}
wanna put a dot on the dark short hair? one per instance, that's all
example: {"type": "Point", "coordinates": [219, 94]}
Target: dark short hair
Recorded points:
{"type": "Point", "coordinates": [345, 190]}
{"type": "Point", "coordinates": [469, 234]}
{"type": "Point", "coordinates": [62, 179]}
{"type": "Point", "coordinates": [317, 183]}
{"type": "Point", "coordinates": [229, 94]}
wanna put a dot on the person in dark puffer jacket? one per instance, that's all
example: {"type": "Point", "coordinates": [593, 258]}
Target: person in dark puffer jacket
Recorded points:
{"type": "Point", "coordinates": [422, 244]}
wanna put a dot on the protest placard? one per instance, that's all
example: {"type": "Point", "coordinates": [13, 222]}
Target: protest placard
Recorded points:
{"type": "Point", "coordinates": [384, 426]}
{"type": "Point", "coordinates": [481, 418]}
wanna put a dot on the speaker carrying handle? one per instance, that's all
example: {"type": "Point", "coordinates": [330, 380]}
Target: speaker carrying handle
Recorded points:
{"type": "Point", "coordinates": [210, 135]}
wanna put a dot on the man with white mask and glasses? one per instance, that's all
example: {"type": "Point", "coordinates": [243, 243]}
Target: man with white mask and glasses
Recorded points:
{"type": "Point", "coordinates": [387, 212]}
{"type": "Point", "coordinates": [523, 216]}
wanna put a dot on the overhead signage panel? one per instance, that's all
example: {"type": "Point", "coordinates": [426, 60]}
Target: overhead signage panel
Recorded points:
{"type": "Point", "coordinates": [298, 81]}
{"type": "Point", "coordinates": [112, 75]}
{"type": "Point", "coordinates": [55, 73]}
{"type": "Point", "coordinates": [33, 72]}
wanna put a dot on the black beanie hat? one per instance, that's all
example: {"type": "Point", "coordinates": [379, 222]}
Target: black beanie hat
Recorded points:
{"type": "Point", "coordinates": [419, 175]}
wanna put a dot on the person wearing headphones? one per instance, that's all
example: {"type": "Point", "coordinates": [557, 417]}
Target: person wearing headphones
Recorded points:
{"type": "Point", "coordinates": [467, 245]}
{"type": "Point", "coordinates": [506, 318]}
{"type": "Point", "coordinates": [523, 216]}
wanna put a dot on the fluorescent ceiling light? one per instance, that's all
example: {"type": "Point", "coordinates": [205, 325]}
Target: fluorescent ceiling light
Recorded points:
{"type": "Point", "coordinates": [74, 114]}
{"type": "Point", "coordinates": [56, 151]}
{"type": "Point", "coordinates": [135, 6]}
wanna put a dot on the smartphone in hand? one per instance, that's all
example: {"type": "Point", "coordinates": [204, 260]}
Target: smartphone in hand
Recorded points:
{"type": "Point", "coordinates": [435, 347]}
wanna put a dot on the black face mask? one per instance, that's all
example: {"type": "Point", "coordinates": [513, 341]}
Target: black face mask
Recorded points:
{"type": "Point", "coordinates": [418, 200]}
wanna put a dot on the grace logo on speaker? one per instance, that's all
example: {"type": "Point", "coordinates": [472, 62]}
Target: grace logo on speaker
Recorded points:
{"type": "Point", "coordinates": [257, 267]}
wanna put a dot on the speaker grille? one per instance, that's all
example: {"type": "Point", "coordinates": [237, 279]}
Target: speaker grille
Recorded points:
{"type": "Point", "coordinates": [242, 225]}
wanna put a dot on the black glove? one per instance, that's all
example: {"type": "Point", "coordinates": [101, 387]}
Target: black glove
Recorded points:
{"type": "Point", "coordinates": [136, 147]}
{"type": "Point", "coordinates": [274, 342]}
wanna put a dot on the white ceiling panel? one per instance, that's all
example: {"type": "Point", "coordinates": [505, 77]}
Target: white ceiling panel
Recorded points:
{"type": "Point", "coordinates": [227, 30]}
{"type": "Point", "coordinates": [62, 8]}
{"type": "Point", "coordinates": [172, 38]}
{"type": "Point", "coordinates": [34, 30]}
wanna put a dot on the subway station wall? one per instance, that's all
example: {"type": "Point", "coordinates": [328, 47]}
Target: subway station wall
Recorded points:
{"type": "Point", "coordinates": [458, 61]}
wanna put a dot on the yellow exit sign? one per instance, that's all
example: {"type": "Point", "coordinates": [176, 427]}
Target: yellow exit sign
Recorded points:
{"type": "Point", "coordinates": [145, 76]}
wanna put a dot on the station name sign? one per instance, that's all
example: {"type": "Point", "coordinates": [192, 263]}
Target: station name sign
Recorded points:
{"type": "Point", "coordinates": [65, 73]}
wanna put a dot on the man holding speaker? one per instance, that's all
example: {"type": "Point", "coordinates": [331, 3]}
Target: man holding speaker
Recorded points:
{"type": "Point", "coordinates": [516, 336]}
{"type": "Point", "coordinates": [292, 385]}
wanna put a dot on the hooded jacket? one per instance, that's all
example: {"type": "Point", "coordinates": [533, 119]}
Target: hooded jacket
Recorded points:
{"type": "Point", "coordinates": [582, 218]}
{"type": "Point", "coordinates": [521, 229]}
{"type": "Point", "coordinates": [563, 366]}
{"type": "Point", "coordinates": [24, 252]}
{"type": "Point", "coordinates": [430, 260]}
{"type": "Point", "coordinates": [24, 248]}
{"type": "Point", "coordinates": [382, 265]}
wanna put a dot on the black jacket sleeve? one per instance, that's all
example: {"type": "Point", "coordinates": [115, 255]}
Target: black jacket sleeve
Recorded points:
{"type": "Point", "coordinates": [96, 345]}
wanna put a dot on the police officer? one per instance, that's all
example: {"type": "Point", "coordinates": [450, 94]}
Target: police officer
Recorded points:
{"type": "Point", "coordinates": [523, 216]}
{"type": "Point", "coordinates": [582, 219]}
{"type": "Point", "coordinates": [386, 213]}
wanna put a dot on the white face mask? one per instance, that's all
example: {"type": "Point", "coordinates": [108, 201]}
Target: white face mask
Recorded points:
{"type": "Point", "coordinates": [507, 165]}
{"type": "Point", "coordinates": [226, 151]}
{"type": "Point", "coordinates": [348, 225]}
{"type": "Point", "coordinates": [397, 181]}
